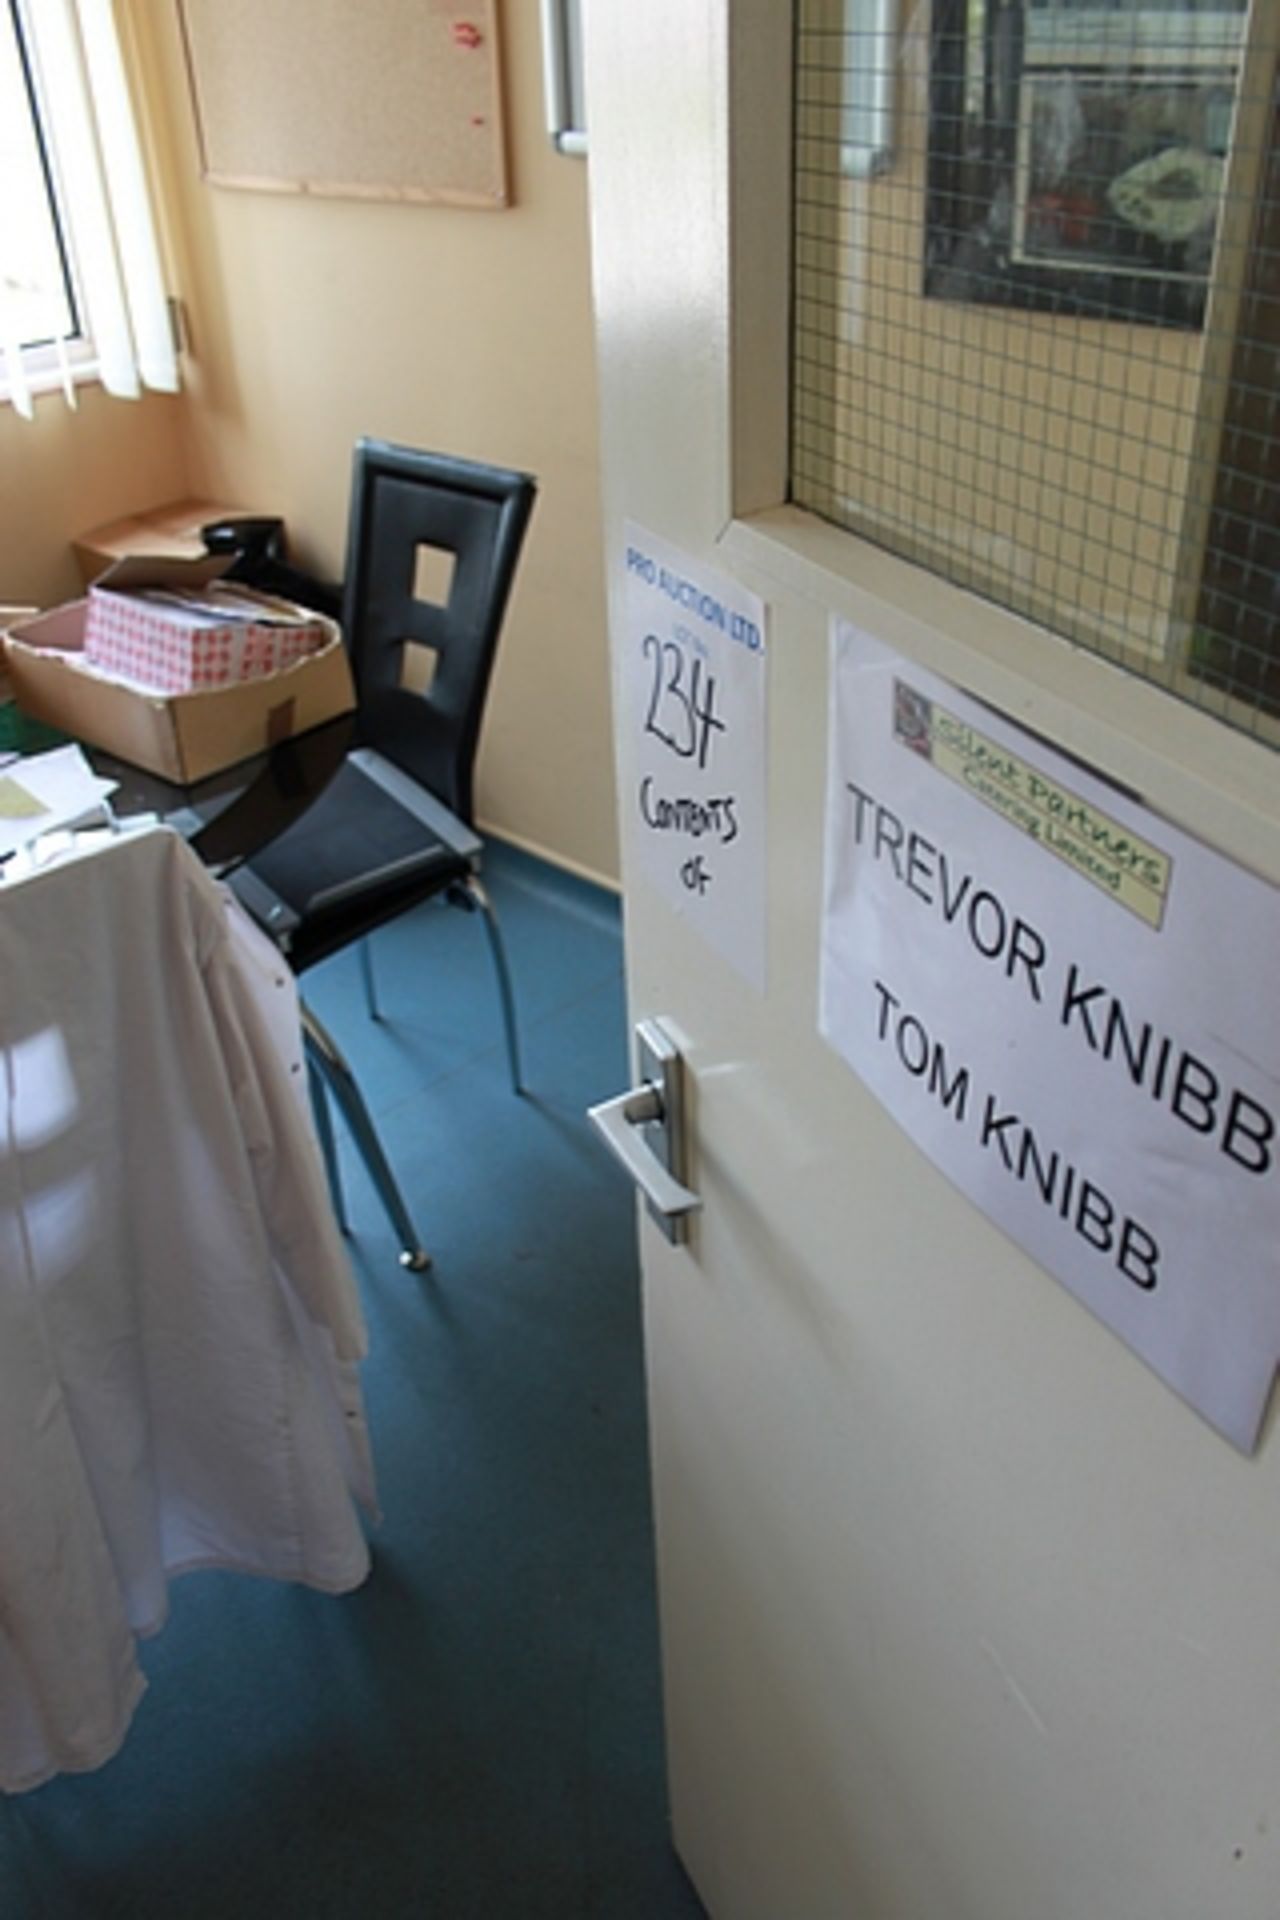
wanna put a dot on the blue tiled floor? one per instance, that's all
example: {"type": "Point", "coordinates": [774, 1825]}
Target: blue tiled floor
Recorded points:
{"type": "Point", "coordinates": [476, 1734]}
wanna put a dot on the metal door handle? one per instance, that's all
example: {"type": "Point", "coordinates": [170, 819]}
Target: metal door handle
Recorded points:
{"type": "Point", "coordinates": [644, 1129]}
{"type": "Point", "coordinates": [617, 1121]}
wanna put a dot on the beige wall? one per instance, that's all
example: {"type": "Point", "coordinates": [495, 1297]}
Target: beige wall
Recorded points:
{"type": "Point", "coordinates": [316, 320]}
{"type": "Point", "coordinates": [64, 472]}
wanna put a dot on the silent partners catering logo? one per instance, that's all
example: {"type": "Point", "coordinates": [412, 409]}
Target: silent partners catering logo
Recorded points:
{"type": "Point", "coordinates": [1133, 873]}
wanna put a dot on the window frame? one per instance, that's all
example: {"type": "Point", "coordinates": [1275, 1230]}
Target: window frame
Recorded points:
{"type": "Point", "coordinates": [1187, 692]}
{"type": "Point", "coordinates": [128, 343]}
{"type": "Point", "coordinates": [47, 363]}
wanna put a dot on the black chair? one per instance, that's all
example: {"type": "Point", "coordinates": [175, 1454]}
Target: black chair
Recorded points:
{"type": "Point", "coordinates": [394, 826]}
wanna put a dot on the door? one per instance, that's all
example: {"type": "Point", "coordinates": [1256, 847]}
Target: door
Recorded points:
{"type": "Point", "coordinates": [965, 1615]}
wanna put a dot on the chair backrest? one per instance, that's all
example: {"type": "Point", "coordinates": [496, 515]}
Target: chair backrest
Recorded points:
{"type": "Point", "coordinates": [402, 501]}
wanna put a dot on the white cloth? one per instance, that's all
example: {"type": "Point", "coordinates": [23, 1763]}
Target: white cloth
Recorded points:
{"type": "Point", "coordinates": [179, 1326]}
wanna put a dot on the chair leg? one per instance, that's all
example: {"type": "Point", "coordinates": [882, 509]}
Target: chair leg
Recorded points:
{"type": "Point", "coordinates": [324, 1132]}
{"type": "Point", "coordinates": [370, 985]}
{"type": "Point", "coordinates": [476, 897]}
{"type": "Point", "coordinates": [329, 1062]}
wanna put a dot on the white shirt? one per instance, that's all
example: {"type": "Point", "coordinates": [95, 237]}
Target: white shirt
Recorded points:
{"type": "Point", "coordinates": [179, 1326]}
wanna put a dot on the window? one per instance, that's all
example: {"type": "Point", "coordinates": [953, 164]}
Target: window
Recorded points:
{"type": "Point", "coordinates": [1036, 344]}
{"type": "Point", "coordinates": [37, 303]}
{"type": "Point", "coordinates": [80, 275]}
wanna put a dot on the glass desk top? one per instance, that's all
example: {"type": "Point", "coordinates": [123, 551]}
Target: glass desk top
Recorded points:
{"type": "Point", "coordinates": [232, 815]}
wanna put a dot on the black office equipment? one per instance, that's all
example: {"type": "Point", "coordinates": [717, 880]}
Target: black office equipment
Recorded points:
{"type": "Point", "coordinates": [256, 544]}
{"type": "Point", "coordinates": [394, 827]}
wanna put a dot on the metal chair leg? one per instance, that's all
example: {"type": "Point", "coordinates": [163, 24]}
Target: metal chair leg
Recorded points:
{"type": "Point", "coordinates": [338, 1078]}
{"type": "Point", "coordinates": [324, 1132]}
{"type": "Point", "coordinates": [370, 986]}
{"type": "Point", "coordinates": [477, 897]}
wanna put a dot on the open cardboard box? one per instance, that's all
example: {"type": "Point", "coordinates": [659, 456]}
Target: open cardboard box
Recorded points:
{"type": "Point", "coordinates": [171, 532]}
{"type": "Point", "coordinates": [182, 736]}
{"type": "Point", "coordinates": [173, 641]}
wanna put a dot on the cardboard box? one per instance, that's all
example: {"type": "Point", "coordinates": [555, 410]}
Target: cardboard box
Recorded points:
{"type": "Point", "coordinates": [9, 614]}
{"type": "Point", "coordinates": [176, 643]}
{"type": "Point", "coordinates": [170, 532]}
{"type": "Point", "coordinates": [181, 736]}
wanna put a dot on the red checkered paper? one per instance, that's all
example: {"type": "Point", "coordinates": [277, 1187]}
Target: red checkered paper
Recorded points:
{"type": "Point", "coordinates": [175, 641]}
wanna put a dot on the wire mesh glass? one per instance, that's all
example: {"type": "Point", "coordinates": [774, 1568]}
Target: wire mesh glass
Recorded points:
{"type": "Point", "coordinates": [1037, 316]}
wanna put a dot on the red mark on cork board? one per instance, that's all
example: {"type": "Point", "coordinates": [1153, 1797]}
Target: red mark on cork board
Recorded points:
{"type": "Point", "coordinates": [467, 34]}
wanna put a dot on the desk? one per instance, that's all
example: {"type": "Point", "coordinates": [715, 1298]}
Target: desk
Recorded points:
{"type": "Point", "coordinates": [236, 813]}
{"type": "Point", "coordinates": [228, 819]}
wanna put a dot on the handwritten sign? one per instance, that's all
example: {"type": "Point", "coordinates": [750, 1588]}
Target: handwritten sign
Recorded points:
{"type": "Point", "coordinates": [1069, 1005]}
{"type": "Point", "coordinates": [693, 688]}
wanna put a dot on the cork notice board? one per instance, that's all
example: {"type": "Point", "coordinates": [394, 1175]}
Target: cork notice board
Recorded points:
{"type": "Point", "coordinates": [381, 99]}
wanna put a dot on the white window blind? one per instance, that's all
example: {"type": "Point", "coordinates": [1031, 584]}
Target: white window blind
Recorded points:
{"type": "Point", "coordinates": [95, 277]}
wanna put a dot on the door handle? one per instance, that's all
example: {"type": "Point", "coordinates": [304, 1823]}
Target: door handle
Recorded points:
{"type": "Point", "coordinates": [645, 1130]}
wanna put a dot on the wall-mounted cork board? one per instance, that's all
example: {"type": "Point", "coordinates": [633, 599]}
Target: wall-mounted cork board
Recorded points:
{"type": "Point", "coordinates": [381, 99]}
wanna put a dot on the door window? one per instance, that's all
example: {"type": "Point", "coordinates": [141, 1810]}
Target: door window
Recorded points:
{"type": "Point", "coordinates": [1036, 339]}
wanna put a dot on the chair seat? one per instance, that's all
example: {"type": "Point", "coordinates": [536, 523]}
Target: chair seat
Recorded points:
{"type": "Point", "coordinates": [355, 859]}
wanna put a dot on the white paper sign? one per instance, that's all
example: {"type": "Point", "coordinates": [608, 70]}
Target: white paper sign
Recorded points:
{"type": "Point", "coordinates": [1071, 1007]}
{"type": "Point", "coordinates": [40, 792]}
{"type": "Point", "coordinates": [693, 687]}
